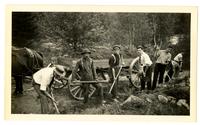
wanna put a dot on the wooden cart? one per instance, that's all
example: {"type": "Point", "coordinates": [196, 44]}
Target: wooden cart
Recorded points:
{"type": "Point", "coordinates": [129, 71]}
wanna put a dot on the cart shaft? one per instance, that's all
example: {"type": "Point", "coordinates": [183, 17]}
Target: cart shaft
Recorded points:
{"type": "Point", "coordinates": [103, 81]}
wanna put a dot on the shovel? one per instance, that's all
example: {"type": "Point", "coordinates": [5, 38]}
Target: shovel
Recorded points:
{"type": "Point", "coordinates": [115, 80]}
{"type": "Point", "coordinates": [54, 103]}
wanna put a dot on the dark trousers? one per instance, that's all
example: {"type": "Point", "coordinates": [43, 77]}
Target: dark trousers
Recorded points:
{"type": "Point", "coordinates": [99, 90]}
{"type": "Point", "coordinates": [147, 78]}
{"type": "Point", "coordinates": [19, 85]}
{"type": "Point", "coordinates": [112, 76]}
{"type": "Point", "coordinates": [159, 70]}
{"type": "Point", "coordinates": [43, 99]}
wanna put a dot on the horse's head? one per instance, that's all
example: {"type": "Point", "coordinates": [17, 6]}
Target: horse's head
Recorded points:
{"type": "Point", "coordinates": [20, 51]}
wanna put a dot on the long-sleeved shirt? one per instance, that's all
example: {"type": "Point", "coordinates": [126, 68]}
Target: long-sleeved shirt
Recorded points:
{"type": "Point", "coordinates": [163, 57]}
{"type": "Point", "coordinates": [85, 69]}
{"type": "Point", "coordinates": [178, 58]}
{"type": "Point", "coordinates": [44, 77]}
{"type": "Point", "coordinates": [145, 59]}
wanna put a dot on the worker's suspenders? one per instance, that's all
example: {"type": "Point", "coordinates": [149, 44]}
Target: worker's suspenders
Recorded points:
{"type": "Point", "coordinates": [120, 57]}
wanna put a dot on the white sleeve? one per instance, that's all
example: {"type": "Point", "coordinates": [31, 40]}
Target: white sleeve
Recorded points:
{"type": "Point", "coordinates": [147, 60]}
{"type": "Point", "coordinates": [43, 87]}
{"type": "Point", "coordinates": [46, 80]}
{"type": "Point", "coordinates": [181, 57]}
{"type": "Point", "coordinates": [169, 58]}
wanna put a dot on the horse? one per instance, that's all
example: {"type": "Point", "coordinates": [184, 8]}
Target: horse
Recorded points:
{"type": "Point", "coordinates": [25, 62]}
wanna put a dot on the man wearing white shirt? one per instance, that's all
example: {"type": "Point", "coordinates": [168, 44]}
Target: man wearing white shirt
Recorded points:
{"type": "Point", "coordinates": [43, 79]}
{"type": "Point", "coordinates": [178, 63]}
{"type": "Point", "coordinates": [145, 71]}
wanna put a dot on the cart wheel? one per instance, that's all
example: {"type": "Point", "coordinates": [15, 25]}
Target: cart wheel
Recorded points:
{"type": "Point", "coordinates": [58, 84]}
{"type": "Point", "coordinates": [133, 70]}
{"type": "Point", "coordinates": [76, 89]}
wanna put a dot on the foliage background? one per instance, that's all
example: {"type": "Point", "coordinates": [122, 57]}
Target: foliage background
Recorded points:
{"type": "Point", "coordinates": [64, 34]}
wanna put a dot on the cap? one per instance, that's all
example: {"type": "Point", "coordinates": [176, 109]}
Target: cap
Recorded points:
{"type": "Point", "coordinates": [86, 51]}
{"type": "Point", "coordinates": [116, 46]}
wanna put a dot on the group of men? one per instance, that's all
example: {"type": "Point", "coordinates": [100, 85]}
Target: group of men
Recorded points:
{"type": "Point", "coordinates": [87, 72]}
{"type": "Point", "coordinates": [85, 67]}
{"type": "Point", "coordinates": [163, 63]}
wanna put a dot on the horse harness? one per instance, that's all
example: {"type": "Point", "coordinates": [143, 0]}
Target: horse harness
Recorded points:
{"type": "Point", "coordinates": [34, 60]}
{"type": "Point", "coordinates": [33, 54]}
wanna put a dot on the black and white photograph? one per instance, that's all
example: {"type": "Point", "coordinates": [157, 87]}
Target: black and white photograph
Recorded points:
{"type": "Point", "coordinates": [101, 63]}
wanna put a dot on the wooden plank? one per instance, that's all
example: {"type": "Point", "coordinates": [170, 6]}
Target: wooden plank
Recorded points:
{"type": "Point", "coordinates": [104, 63]}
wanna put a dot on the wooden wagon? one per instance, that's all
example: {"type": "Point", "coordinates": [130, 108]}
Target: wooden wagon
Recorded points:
{"type": "Point", "coordinates": [129, 71]}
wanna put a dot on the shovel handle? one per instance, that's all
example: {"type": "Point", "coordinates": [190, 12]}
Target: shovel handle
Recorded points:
{"type": "Point", "coordinates": [115, 80]}
{"type": "Point", "coordinates": [55, 105]}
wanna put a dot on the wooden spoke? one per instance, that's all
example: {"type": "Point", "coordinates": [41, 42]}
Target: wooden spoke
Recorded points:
{"type": "Point", "coordinates": [75, 84]}
{"type": "Point", "coordinates": [77, 91]}
{"type": "Point", "coordinates": [58, 84]}
{"type": "Point", "coordinates": [80, 93]}
{"type": "Point", "coordinates": [73, 89]}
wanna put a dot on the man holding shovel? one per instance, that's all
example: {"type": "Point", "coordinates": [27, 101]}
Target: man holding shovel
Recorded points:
{"type": "Point", "coordinates": [42, 82]}
{"type": "Point", "coordinates": [115, 63]}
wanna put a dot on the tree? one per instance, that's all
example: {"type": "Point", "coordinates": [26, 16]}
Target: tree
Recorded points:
{"type": "Point", "coordinates": [23, 28]}
{"type": "Point", "coordinates": [76, 30]}
{"type": "Point", "coordinates": [160, 26]}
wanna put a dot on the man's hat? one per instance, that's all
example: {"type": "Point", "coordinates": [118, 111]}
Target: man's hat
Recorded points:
{"type": "Point", "coordinates": [116, 46]}
{"type": "Point", "coordinates": [86, 51]}
{"type": "Point", "coordinates": [139, 47]}
{"type": "Point", "coordinates": [60, 70]}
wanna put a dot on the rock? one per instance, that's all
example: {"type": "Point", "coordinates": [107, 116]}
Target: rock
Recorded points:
{"type": "Point", "coordinates": [149, 100]}
{"type": "Point", "coordinates": [162, 99]}
{"type": "Point", "coordinates": [132, 99]}
{"type": "Point", "coordinates": [182, 102]}
{"type": "Point", "coordinates": [150, 96]}
{"type": "Point", "coordinates": [171, 99]}
{"type": "Point", "coordinates": [65, 55]}
{"type": "Point", "coordinates": [93, 50]}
